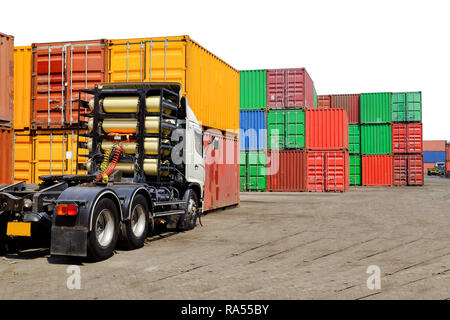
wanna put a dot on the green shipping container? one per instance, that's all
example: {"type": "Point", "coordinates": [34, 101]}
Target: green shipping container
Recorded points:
{"type": "Point", "coordinates": [256, 170]}
{"type": "Point", "coordinates": [407, 107]}
{"type": "Point", "coordinates": [375, 108]}
{"type": "Point", "coordinates": [286, 129]}
{"type": "Point", "coordinates": [243, 170]}
{"type": "Point", "coordinates": [355, 170]}
{"type": "Point", "coordinates": [252, 89]}
{"type": "Point", "coordinates": [354, 138]}
{"type": "Point", "coordinates": [376, 139]}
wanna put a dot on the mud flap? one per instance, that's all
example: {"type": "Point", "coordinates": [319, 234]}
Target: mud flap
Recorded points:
{"type": "Point", "coordinates": [69, 241]}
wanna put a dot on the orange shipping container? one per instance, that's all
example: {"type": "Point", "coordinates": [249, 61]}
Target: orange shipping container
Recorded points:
{"type": "Point", "coordinates": [326, 129]}
{"type": "Point", "coordinates": [434, 145]}
{"type": "Point", "coordinates": [426, 166]}
{"type": "Point", "coordinates": [22, 87]}
{"type": "Point", "coordinates": [6, 156]}
{"type": "Point", "coordinates": [6, 79]}
{"type": "Point", "coordinates": [376, 170]}
{"type": "Point", "coordinates": [23, 157]}
{"type": "Point", "coordinates": [210, 84]}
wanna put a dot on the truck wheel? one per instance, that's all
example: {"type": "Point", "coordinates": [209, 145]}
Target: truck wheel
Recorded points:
{"type": "Point", "coordinates": [134, 232]}
{"type": "Point", "coordinates": [105, 230]}
{"type": "Point", "coordinates": [189, 219]}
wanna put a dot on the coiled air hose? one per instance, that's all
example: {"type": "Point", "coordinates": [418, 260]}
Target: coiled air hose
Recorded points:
{"type": "Point", "coordinates": [107, 167]}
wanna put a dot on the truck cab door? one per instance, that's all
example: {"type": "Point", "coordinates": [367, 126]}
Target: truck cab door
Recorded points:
{"type": "Point", "coordinates": [195, 164]}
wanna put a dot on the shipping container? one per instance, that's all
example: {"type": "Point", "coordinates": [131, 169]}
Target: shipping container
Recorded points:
{"type": "Point", "coordinates": [323, 102]}
{"type": "Point", "coordinates": [355, 169]}
{"type": "Point", "coordinates": [326, 171]}
{"type": "Point", "coordinates": [408, 170]}
{"type": "Point", "coordinates": [286, 129]}
{"type": "Point", "coordinates": [407, 107]}
{"type": "Point", "coordinates": [326, 129]}
{"type": "Point", "coordinates": [427, 166]}
{"type": "Point", "coordinates": [6, 80]}
{"type": "Point", "coordinates": [289, 88]}
{"type": "Point", "coordinates": [434, 145]}
{"type": "Point", "coordinates": [447, 169]}
{"type": "Point", "coordinates": [221, 171]}
{"type": "Point", "coordinates": [348, 102]}
{"type": "Point", "coordinates": [22, 87]}
{"type": "Point", "coordinates": [253, 130]}
{"type": "Point", "coordinates": [285, 170]}
{"type": "Point", "coordinates": [434, 156]}
{"type": "Point", "coordinates": [210, 84]}
{"type": "Point", "coordinates": [376, 170]}
{"type": "Point", "coordinates": [252, 93]}
{"type": "Point", "coordinates": [376, 139]}
{"type": "Point", "coordinates": [407, 138]}
{"type": "Point", "coordinates": [60, 70]}
{"type": "Point", "coordinates": [447, 152]}
{"type": "Point", "coordinates": [375, 108]}
{"type": "Point", "coordinates": [243, 171]}
{"type": "Point", "coordinates": [256, 170]}
{"type": "Point", "coordinates": [354, 138]}
{"type": "Point", "coordinates": [23, 156]}
{"type": "Point", "coordinates": [6, 155]}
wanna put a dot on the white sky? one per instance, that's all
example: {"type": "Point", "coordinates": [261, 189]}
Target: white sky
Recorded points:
{"type": "Point", "coordinates": [346, 46]}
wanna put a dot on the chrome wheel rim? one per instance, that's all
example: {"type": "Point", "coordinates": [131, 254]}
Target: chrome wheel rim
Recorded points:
{"type": "Point", "coordinates": [138, 221]}
{"type": "Point", "coordinates": [104, 228]}
{"type": "Point", "coordinates": [192, 209]}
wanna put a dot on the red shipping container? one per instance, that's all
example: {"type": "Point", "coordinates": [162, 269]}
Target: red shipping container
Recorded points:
{"type": "Point", "coordinates": [6, 80]}
{"type": "Point", "coordinates": [285, 170]}
{"type": "Point", "coordinates": [434, 145]}
{"type": "Point", "coordinates": [326, 129]}
{"type": "Point", "coordinates": [447, 152]}
{"type": "Point", "coordinates": [426, 166]}
{"type": "Point", "coordinates": [221, 171]}
{"type": "Point", "coordinates": [289, 88]}
{"type": "Point", "coordinates": [376, 170]}
{"type": "Point", "coordinates": [6, 156]}
{"type": "Point", "coordinates": [60, 70]}
{"type": "Point", "coordinates": [348, 102]}
{"type": "Point", "coordinates": [323, 102]}
{"type": "Point", "coordinates": [327, 171]}
{"type": "Point", "coordinates": [447, 168]}
{"type": "Point", "coordinates": [407, 138]}
{"type": "Point", "coordinates": [408, 170]}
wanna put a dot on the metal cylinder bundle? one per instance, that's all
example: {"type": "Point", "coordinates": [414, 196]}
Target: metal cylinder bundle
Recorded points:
{"type": "Point", "coordinates": [151, 146]}
{"type": "Point", "coordinates": [150, 167]}
{"type": "Point", "coordinates": [130, 104]}
{"type": "Point", "coordinates": [129, 126]}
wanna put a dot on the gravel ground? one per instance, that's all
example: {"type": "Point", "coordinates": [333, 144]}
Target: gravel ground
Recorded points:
{"type": "Point", "coordinates": [274, 246]}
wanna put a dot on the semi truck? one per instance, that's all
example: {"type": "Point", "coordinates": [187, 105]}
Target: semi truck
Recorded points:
{"type": "Point", "coordinates": [145, 166]}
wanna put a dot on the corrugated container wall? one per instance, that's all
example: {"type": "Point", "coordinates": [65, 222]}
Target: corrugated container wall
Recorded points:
{"type": "Point", "coordinates": [221, 172]}
{"type": "Point", "coordinates": [376, 170]}
{"type": "Point", "coordinates": [22, 87]}
{"type": "Point", "coordinates": [355, 169]}
{"type": "Point", "coordinates": [408, 170]}
{"type": "Point", "coordinates": [326, 129]}
{"type": "Point", "coordinates": [434, 156]}
{"type": "Point", "coordinates": [376, 139]}
{"type": "Point", "coordinates": [289, 88]}
{"type": "Point", "coordinates": [6, 79]}
{"type": "Point", "coordinates": [252, 93]}
{"type": "Point", "coordinates": [447, 152]}
{"type": "Point", "coordinates": [354, 138]}
{"type": "Point", "coordinates": [23, 157]}
{"type": "Point", "coordinates": [407, 107]}
{"type": "Point", "coordinates": [348, 102]}
{"type": "Point", "coordinates": [256, 170]}
{"type": "Point", "coordinates": [286, 129]}
{"type": "Point", "coordinates": [375, 108]}
{"type": "Point", "coordinates": [407, 137]}
{"type": "Point", "coordinates": [324, 101]}
{"type": "Point", "coordinates": [253, 131]}
{"type": "Point", "coordinates": [210, 84]}
{"type": "Point", "coordinates": [60, 70]}
{"type": "Point", "coordinates": [6, 155]}
{"type": "Point", "coordinates": [285, 170]}
{"type": "Point", "coordinates": [434, 145]}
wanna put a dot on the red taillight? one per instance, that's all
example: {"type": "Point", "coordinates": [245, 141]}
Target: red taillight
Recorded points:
{"type": "Point", "coordinates": [66, 210]}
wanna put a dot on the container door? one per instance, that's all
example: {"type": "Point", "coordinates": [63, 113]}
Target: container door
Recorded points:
{"type": "Point", "coordinates": [50, 152]}
{"type": "Point", "coordinates": [414, 138]}
{"type": "Point", "coordinates": [276, 89]}
{"type": "Point", "coordinates": [315, 171]}
{"type": "Point", "coordinates": [276, 129]}
{"type": "Point", "coordinates": [400, 170]}
{"type": "Point", "coordinates": [243, 171]}
{"type": "Point", "coordinates": [295, 129]}
{"type": "Point", "coordinates": [335, 171]}
{"type": "Point", "coordinates": [415, 170]}
{"type": "Point", "coordinates": [294, 94]}
{"type": "Point", "coordinates": [23, 157]}
{"type": "Point", "coordinates": [414, 106]}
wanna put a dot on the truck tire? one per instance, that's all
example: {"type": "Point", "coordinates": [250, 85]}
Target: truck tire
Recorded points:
{"type": "Point", "coordinates": [102, 239]}
{"type": "Point", "coordinates": [134, 232]}
{"type": "Point", "coordinates": [188, 220]}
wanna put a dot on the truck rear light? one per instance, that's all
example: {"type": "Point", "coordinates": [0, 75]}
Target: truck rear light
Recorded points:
{"type": "Point", "coordinates": [66, 210]}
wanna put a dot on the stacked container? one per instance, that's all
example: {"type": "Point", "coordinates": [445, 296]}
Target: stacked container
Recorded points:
{"type": "Point", "coordinates": [376, 138]}
{"type": "Point", "coordinates": [253, 130]}
{"type": "Point", "coordinates": [407, 138]}
{"type": "Point", "coordinates": [433, 151]}
{"type": "Point", "coordinates": [6, 107]}
{"type": "Point", "coordinates": [447, 159]}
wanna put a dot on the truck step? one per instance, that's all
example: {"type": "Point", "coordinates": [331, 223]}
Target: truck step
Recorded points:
{"type": "Point", "coordinates": [168, 203]}
{"type": "Point", "coordinates": [168, 213]}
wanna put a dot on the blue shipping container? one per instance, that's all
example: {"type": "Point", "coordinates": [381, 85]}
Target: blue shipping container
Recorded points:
{"type": "Point", "coordinates": [253, 132]}
{"type": "Point", "coordinates": [434, 156]}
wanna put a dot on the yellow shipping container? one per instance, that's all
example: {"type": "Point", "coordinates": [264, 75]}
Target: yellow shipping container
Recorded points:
{"type": "Point", "coordinates": [210, 84]}
{"type": "Point", "coordinates": [46, 153]}
{"type": "Point", "coordinates": [22, 87]}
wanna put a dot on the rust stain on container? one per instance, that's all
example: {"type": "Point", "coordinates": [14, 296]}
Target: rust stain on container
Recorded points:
{"type": "Point", "coordinates": [6, 155]}
{"type": "Point", "coordinates": [376, 170]}
{"type": "Point", "coordinates": [326, 129]}
{"type": "Point", "coordinates": [60, 70]}
{"type": "Point", "coordinates": [6, 80]}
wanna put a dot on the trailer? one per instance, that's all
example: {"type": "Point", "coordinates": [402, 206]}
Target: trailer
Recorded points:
{"type": "Point", "coordinates": [145, 167]}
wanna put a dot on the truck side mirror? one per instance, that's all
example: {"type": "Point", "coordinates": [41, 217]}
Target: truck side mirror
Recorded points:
{"type": "Point", "coordinates": [216, 143]}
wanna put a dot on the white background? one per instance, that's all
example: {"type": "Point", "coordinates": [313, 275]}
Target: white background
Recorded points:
{"type": "Point", "coordinates": [346, 46]}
